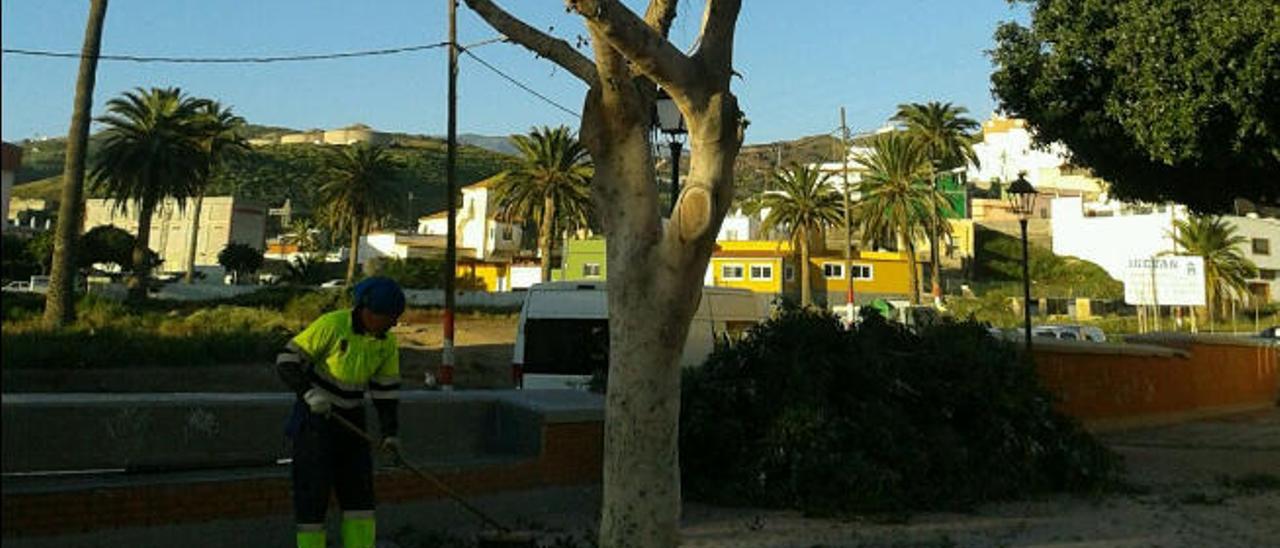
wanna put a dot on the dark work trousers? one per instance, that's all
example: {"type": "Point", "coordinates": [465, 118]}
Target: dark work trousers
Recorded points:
{"type": "Point", "coordinates": [328, 458]}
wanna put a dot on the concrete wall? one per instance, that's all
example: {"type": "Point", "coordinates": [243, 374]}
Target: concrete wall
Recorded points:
{"type": "Point", "coordinates": [479, 442]}
{"type": "Point", "coordinates": [1172, 377]}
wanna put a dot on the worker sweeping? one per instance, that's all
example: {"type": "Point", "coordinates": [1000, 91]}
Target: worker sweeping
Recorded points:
{"type": "Point", "coordinates": [329, 366]}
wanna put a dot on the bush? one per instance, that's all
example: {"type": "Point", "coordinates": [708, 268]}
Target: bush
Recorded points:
{"type": "Point", "coordinates": [803, 414]}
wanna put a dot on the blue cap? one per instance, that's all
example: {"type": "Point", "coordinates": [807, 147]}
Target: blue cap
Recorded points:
{"type": "Point", "coordinates": [380, 295]}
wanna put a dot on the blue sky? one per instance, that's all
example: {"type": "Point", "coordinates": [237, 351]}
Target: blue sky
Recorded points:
{"type": "Point", "coordinates": [800, 61]}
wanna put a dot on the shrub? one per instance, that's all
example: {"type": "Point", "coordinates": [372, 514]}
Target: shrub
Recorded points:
{"type": "Point", "coordinates": [800, 413]}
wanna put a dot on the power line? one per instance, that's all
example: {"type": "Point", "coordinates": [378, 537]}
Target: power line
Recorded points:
{"type": "Point", "coordinates": [520, 84]}
{"type": "Point", "coordinates": [243, 60]}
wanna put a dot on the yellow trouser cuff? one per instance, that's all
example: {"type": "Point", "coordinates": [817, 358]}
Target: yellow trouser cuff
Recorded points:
{"type": "Point", "coordinates": [358, 530]}
{"type": "Point", "coordinates": [311, 538]}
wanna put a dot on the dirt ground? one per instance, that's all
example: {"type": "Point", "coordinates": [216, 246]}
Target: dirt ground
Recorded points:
{"type": "Point", "coordinates": [482, 346]}
{"type": "Point", "coordinates": [1206, 483]}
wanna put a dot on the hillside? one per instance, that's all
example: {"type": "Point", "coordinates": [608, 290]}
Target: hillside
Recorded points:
{"type": "Point", "coordinates": [756, 162]}
{"type": "Point", "coordinates": [273, 173]}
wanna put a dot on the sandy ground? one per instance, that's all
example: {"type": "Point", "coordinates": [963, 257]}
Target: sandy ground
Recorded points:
{"type": "Point", "coordinates": [1185, 496]}
{"type": "Point", "coordinates": [482, 343]}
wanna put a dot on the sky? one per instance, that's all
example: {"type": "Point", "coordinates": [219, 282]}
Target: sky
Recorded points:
{"type": "Point", "coordinates": [800, 61]}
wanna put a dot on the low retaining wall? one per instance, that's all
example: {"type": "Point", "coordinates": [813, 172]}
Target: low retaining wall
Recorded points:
{"type": "Point", "coordinates": [1167, 378]}
{"type": "Point", "coordinates": [467, 299]}
{"type": "Point", "coordinates": [477, 442]}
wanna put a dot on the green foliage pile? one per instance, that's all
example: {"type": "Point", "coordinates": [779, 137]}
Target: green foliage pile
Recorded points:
{"type": "Point", "coordinates": [803, 414]}
{"type": "Point", "coordinates": [999, 259]}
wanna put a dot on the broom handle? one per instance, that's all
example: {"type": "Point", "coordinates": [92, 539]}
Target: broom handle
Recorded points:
{"type": "Point", "coordinates": [437, 482]}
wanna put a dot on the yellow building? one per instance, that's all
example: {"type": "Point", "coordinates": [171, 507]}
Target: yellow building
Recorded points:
{"type": "Point", "coordinates": [769, 267]}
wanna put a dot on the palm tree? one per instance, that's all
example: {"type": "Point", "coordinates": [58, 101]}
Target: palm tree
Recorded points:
{"type": "Point", "coordinates": [357, 193]}
{"type": "Point", "coordinates": [895, 198]}
{"type": "Point", "coordinates": [1226, 269]}
{"type": "Point", "coordinates": [151, 150]}
{"type": "Point", "coordinates": [221, 140]}
{"type": "Point", "coordinates": [60, 307]}
{"type": "Point", "coordinates": [803, 202]}
{"type": "Point", "coordinates": [551, 187]}
{"type": "Point", "coordinates": [946, 134]}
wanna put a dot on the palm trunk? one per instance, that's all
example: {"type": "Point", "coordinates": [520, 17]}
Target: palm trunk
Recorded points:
{"type": "Point", "coordinates": [60, 301]}
{"type": "Point", "coordinates": [138, 282]}
{"type": "Point", "coordinates": [913, 274]}
{"type": "Point", "coordinates": [546, 230]}
{"type": "Point", "coordinates": [353, 258]}
{"type": "Point", "coordinates": [806, 293]}
{"type": "Point", "coordinates": [194, 239]}
{"type": "Point", "coordinates": [935, 270]}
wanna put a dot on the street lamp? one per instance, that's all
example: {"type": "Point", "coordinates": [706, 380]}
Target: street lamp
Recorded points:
{"type": "Point", "coordinates": [1022, 201]}
{"type": "Point", "coordinates": [668, 120]}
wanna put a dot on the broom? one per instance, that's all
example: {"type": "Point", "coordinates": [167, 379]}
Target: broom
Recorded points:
{"type": "Point", "coordinates": [500, 536]}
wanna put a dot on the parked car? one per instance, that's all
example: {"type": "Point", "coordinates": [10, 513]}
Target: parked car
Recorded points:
{"type": "Point", "coordinates": [1070, 332]}
{"type": "Point", "coordinates": [334, 283]}
{"type": "Point", "coordinates": [1270, 334]}
{"type": "Point", "coordinates": [17, 287]}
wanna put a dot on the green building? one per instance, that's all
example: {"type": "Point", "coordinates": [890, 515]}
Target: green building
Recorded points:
{"type": "Point", "coordinates": [584, 260]}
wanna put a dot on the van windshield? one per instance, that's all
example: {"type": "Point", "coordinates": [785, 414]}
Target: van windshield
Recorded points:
{"type": "Point", "coordinates": [566, 346]}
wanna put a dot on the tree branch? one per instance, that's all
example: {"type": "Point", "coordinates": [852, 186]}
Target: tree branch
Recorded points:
{"type": "Point", "coordinates": [715, 51]}
{"type": "Point", "coordinates": [660, 14]}
{"type": "Point", "coordinates": [556, 50]}
{"type": "Point", "coordinates": [640, 43]}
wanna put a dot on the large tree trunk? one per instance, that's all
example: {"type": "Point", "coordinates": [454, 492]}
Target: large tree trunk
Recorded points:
{"type": "Point", "coordinates": [194, 239]}
{"type": "Point", "coordinates": [546, 233]}
{"type": "Point", "coordinates": [60, 307]}
{"type": "Point", "coordinates": [141, 276]}
{"type": "Point", "coordinates": [806, 293]}
{"type": "Point", "coordinates": [353, 258]}
{"type": "Point", "coordinates": [655, 267]}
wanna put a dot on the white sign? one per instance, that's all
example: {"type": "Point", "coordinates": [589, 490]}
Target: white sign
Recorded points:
{"type": "Point", "coordinates": [1174, 281]}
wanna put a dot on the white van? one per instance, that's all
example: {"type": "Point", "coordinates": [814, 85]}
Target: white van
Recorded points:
{"type": "Point", "coordinates": [563, 335]}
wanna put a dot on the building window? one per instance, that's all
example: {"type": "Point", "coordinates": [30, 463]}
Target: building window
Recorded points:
{"type": "Point", "coordinates": [506, 233]}
{"type": "Point", "coordinates": [1261, 246]}
{"type": "Point", "coordinates": [1266, 274]}
{"type": "Point", "coordinates": [731, 272]}
{"type": "Point", "coordinates": [788, 273]}
{"type": "Point", "coordinates": [761, 272]}
{"type": "Point", "coordinates": [591, 270]}
{"type": "Point", "coordinates": [860, 271]}
{"type": "Point", "coordinates": [731, 235]}
{"type": "Point", "coordinates": [833, 270]}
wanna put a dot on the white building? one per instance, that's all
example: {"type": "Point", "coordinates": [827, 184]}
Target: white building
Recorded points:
{"type": "Point", "coordinates": [1110, 234]}
{"type": "Point", "coordinates": [1007, 149]}
{"type": "Point", "coordinates": [10, 161]}
{"type": "Point", "coordinates": [223, 220]}
{"type": "Point", "coordinates": [1262, 246]}
{"type": "Point", "coordinates": [478, 229]}
{"type": "Point", "coordinates": [739, 225]}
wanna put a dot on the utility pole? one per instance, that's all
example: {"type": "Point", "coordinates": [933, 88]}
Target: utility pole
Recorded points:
{"type": "Point", "coordinates": [848, 224]}
{"type": "Point", "coordinates": [450, 177]}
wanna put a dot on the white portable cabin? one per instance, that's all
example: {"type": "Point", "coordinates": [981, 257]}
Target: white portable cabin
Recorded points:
{"type": "Point", "coordinates": [562, 338]}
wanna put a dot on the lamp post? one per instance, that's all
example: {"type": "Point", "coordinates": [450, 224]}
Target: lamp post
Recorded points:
{"type": "Point", "coordinates": [1022, 200]}
{"type": "Point", "coordinates": [668, 120]}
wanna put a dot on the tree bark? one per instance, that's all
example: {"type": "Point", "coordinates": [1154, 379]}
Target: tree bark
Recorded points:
{"type": "Point", "coordinates": [353, 258]}
{"type": "Point", "coordinates": [190, 276]}
{"type": "Point", "coordinates": [60, 307]}
{"type": "Point", "coordinates": [546, 232]}
{"type": "Point", "coordinates": [140, 278]}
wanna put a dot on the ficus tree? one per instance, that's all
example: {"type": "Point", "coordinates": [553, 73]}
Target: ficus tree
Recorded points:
{"type": "Point", "coordinates": [655, 264]}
